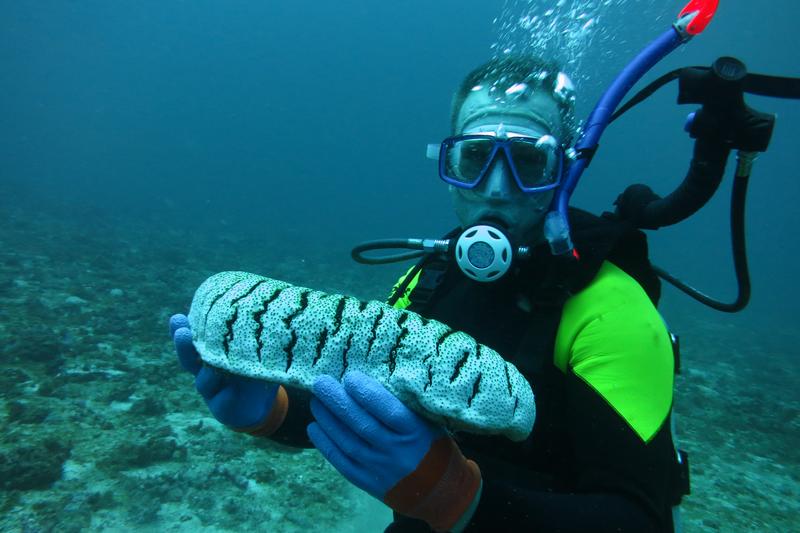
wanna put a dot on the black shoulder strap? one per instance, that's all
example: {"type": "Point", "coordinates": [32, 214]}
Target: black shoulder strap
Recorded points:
{"type": "Point", "coordinates": [631, 254]}
{"type": "Point", "coordinates": [433, 267]}
{"type": "Point", "coordinates": [598, 239]}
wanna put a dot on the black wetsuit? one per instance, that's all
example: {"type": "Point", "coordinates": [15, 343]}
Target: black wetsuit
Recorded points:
{"type": "Point", "coordinates": [583, 468]}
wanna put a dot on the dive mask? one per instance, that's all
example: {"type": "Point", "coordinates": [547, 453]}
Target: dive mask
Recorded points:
{"type": "Point", "coordinates": [535, 162]}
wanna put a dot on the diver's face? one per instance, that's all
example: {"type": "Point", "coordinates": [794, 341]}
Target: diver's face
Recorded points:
{"type": "Point", "coordinates": [498, 198]}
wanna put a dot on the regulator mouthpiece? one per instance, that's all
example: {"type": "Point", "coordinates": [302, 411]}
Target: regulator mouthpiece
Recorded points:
{"type": "Point", "coordinates": [484, 253]}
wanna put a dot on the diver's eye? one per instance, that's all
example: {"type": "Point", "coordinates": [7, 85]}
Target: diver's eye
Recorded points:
{"type": "Point", "coordinates": [476, 151]}
{"type": "Point", "coordinates": [526, 156]}
{"type": "Point", "coordinates": [467, 158]}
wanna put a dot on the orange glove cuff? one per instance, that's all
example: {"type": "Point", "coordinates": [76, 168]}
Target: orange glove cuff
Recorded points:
{"type": "Point", "coordinates": [274, 419]}
{"type": "Point", "coordinates": [440, 490]}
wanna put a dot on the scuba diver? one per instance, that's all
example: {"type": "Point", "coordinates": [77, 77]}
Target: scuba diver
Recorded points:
{"type": "Point", "coordinates": [585, 334]}
{"type": "Point", "coordinates": [568, 297]}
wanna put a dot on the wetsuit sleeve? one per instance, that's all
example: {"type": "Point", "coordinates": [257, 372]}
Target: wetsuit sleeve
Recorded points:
{"type": "Point", "coordinates": [298, 416]}
{"type": "Point", "coordinates": [615, 353]}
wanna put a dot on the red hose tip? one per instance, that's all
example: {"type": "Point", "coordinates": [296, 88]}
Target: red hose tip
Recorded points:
{"type": "Point", "coordinates": [705, 12]}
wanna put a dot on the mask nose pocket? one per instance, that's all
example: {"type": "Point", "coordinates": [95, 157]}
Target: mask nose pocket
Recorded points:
{"type": "Point", "coordinates": [499, 181]}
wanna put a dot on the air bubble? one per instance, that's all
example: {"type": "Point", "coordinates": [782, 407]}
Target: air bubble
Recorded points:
{"type": "Point", "coordinates": [570, 31]}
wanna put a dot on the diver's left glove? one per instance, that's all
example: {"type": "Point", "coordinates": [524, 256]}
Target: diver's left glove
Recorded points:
{"type": "Point", "coordinates": [382, 447]}
{"type": "Point", "coordinates": [243, 404]}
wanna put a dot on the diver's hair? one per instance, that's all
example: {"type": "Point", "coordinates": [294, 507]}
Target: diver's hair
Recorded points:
{"type": "Point", "coordinates": [516, 68]}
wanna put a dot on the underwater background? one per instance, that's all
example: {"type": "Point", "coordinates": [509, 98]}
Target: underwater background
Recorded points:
{"type": "Point", "coordinates": [146, 145]}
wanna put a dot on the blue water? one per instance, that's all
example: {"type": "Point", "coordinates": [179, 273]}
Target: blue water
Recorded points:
{"type": "Point", "coordinates": [285, 114]}
{"type": "Point", "coordinates": [301, 127]}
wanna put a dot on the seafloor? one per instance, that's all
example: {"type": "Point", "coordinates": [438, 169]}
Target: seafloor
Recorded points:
{"type": "Point", "coordinates": [102, 431]}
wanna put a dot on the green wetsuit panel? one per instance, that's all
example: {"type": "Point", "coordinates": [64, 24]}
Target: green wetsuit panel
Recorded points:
{"type": "Point", "coordinates": [613, 338]}
{"type": "Point", "coordinates": [404, 300]}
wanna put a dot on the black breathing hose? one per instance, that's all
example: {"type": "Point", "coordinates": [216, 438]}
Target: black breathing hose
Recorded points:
{"type": "Point", "coordinates": [695, 191]}
{"type": "Point", "coordinates": [419, 247]}
{"type": "Point", "coordinates": [720, 90]}
{"type": "Point", "coordinates": [357, 253]}
{"type": "Point", "coordinates": [738, 242]}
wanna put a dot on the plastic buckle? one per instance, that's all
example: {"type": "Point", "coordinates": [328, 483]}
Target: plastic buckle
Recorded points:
{"type": "Point", "coordinates": [683, 483]}
{"type": "Point", "coordinates": [676, 351]}
{"type": "Point", "coordinates": [587, 153]}
{"type": "Point", "coordinates": [429, 280]}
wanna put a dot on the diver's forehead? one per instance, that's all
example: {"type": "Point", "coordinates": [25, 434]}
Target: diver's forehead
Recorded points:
{"type": "Point", "coordinates": [507, 126]}
{"type": "Point", "coordinates": [538, 112]}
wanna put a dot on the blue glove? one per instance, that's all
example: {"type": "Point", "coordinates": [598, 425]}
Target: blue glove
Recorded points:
{"type": "Point", "coordinates": [241, 403]}
{"type": "Point", "coordinates": [387, 450]}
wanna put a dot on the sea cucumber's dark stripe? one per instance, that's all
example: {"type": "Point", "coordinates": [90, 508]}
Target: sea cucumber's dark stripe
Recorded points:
{"type": "Point", "coordinates": [393, 352]}
{"type": "Point", "coordinates": [478, 350]}
{"type": "Point", "coordinates": [397, 342]}
{"type": "Point", "coordinates": [449, 333]}
{"type": "Point", "coordinates": [459, 365]}
{"type": "Point", "coordinates": [259, 315]}
{"type": "Point", "coordinates": [430, 379]}
{"type": "Point", "coordinates": [508, 380]}
{"type": "Point", "coordinates": [216, 299]}
{"type": "Point", "coordinates": [301, 306]}
{"type": "Point", "coordinates": [338, 314]}
{"type": "Point", "coordinates": [443, 337]}
{"type": "Point", "coordinates": [475, 389]}
{"type": "Point", "coordinates": [289, 349]}
{"type": "Point", "coordinates": [210, 307]}
{"type": "Point", "coordinates": [362, 306]}
{"type": "Point", "coordinates": [249, 292]}
{"type": "Point", "coordinates": [374, 331]}
{"type": "Point", "coordinates": [229, 332]}
{"type": "Point", "coordinates": [516, 404]}
{"type": "Point", "coordinates": [403, 319]}
{"type": "Point", "coordinates": [345, 362]}
{"type": "Point", "coordinates": [323, 336]}
{"type": "Point", "coordinates": [226, 340]}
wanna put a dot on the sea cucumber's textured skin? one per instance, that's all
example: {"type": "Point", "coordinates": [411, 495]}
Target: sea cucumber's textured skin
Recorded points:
{"type": "Point", "coordinates": [263, 328]}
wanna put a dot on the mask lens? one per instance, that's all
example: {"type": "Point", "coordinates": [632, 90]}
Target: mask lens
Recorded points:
{"type": "Point", "coordinates": [466, 159]}
{"type": "Point", "coordinates": [535, 161]}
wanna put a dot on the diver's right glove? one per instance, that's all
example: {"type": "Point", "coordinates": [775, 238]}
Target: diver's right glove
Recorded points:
{"type": "Point", "coordinates": [243, 404]}
{"type": "Point", "coordinates": [390, 452]}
